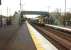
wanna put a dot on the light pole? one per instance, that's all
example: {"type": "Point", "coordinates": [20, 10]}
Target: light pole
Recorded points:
{"type": "Point", "coordinates": [48, 8]}
{"type": "Point", "coordinates": [20, 5]}
{"type": "Point", "coordinates": [65, 14]}
{"type": "Point", "coordinates": [65, 7]}
{"type": "Point", "coordinates": [7, 11]}
{"type": "Point", "coordinates": [20, 13]}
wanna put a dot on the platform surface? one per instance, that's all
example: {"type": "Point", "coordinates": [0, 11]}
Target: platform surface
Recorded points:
{"type": "Point", "coordinates": [22, 40]}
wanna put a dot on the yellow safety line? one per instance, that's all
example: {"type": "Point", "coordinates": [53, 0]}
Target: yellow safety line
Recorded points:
{"type": "Point", "coordinates": [36, 41]}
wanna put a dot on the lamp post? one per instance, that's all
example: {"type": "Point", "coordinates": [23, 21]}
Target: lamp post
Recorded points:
{"type": "Point", "coordinates": [20, 5]}
{"type": "Point", "coordinates": [20, 13]}
{"type": "Point", "coordinates": [7, 11]}
{"type": "Point", "coordinates": [48, 8]}
{"type": "Point", "coordinates": [65, 15]}
{"type": "Point", "coordinates": [65, 7]}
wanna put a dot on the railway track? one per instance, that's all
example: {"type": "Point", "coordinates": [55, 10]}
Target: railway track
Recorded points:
{"type": "Point", "coordinates": [60, 39]}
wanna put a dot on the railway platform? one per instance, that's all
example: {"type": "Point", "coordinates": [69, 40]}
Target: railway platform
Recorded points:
{"type": "Point", "coordinates": [27, 38]}
{"type": "Point", "coordinates": [40, 41]}
{"type": "Point", "coordinates": [21, 40]}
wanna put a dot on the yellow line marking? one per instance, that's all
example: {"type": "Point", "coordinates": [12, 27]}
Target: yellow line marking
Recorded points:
{"type": "Point", "coordinates": [36, 41]}
{"type": "Point", "coordinates": [40, 42]}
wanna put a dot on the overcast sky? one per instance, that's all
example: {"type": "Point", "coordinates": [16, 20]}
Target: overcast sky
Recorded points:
{"type": "Point", "coordinates": [33, 5]}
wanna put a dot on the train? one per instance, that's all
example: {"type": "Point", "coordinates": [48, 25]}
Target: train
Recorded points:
{"type": "Point", "coordinates": [42, 20]}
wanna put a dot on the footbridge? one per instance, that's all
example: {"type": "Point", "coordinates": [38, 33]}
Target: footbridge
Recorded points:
{"type": "Point", "coordinates": [35, 13]}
